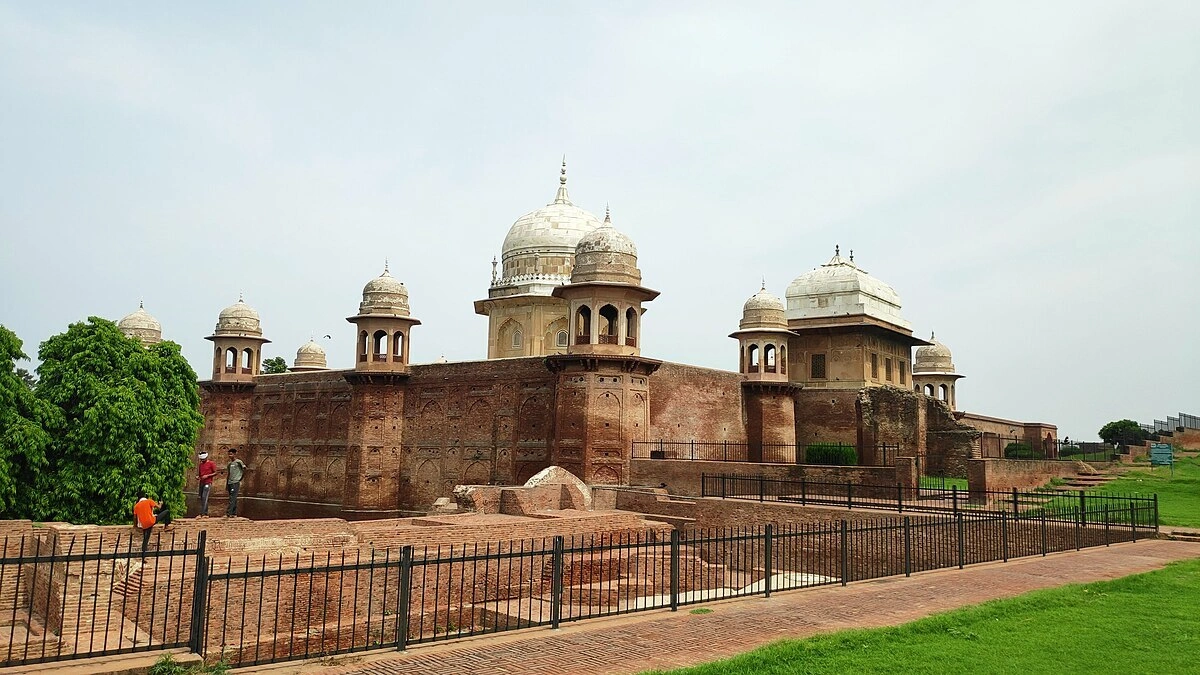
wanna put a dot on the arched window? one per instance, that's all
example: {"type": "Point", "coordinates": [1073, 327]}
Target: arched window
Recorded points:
{"type": "Point", "coordinates": [608, 325]}
{"type": "Point", "coordinates": [379, 346]}
{"type": "Point", "coordinates": [583, 325]}
{"type": "Point", "coordinates": [398, 346]}
{"type": "Point", "coordinates": [769, 358]}
{"type": "Point", "coordinates": [364, 341]}
{"type": "Point", "coordinates": [752, 366]}
{"type": "Point", "coordinates": [929, 390]}
{"type": "Point", "coordinates": [631, 327]}
{"type": "Point", "coordinates": [248, 360]}
{"type": "Point", "coordinates": [943, 393]}
{"type": "Point", "coordinates": [560, 339]}
{"type": "Point", "coordinates": [518, 339]}
{"type": "Point", "coordinates": [231, 360]}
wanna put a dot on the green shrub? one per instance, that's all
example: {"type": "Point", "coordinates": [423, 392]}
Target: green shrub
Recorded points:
{"type": "Point", "coordinates": [1019, 451]}
{"type": "Point", "coordinates": [831, 453]}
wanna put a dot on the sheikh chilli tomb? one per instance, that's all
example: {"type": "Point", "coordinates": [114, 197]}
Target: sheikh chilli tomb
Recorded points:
{"type": "Point", "coordinates": [565, 383]}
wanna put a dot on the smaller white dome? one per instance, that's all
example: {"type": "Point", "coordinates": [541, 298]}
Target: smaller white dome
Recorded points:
{"type": "Point", "coordinates": [384, 295]}
{"type": "Point", "coordinates": [239, 319]}
{"type": "Point", "coordinates": [763, 310]}
{"type": "Point", "coordinates": [141, 325]}
{"type": "Point", "coordinates": [606, 254]}
{"type": "Point", "coordinates": [606, 239]}
{"type": "Point", "coordinates": [934, 358]}
{"type": "Point", "coordinates": [763, 299]}
{"type": "Point", "coordinates": [310, 356]}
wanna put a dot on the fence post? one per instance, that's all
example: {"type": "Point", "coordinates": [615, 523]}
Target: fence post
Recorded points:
{"type": "Point", "coordinates": [762, 485]}
{"type": "Point", "coordinates": [845, 553]}
{"type": "Point", "coordinates": [899, 499]}
{"type": "Point", "coordinates": [703, 485]}
{"type": "Point", "coordinates": [849, 495]}
{"type": "Point", "coordinates": [954, 494]}
{"type": "Point", "coordinates": [961, 544]}
{"type": "Point", "coordinates": [1015, 512]}
{"type": "Point", "coordinates": [674, 570]}
{"type": "Point", "coordinates": [1004, 534]}
{"type": "Point", "coordinates": [725, 445]}
{"type": "Point", "coordinates": [1133, 520]}
{"type": "Point", "coordinates": [1078, 527]}
{"type": "Point", "coordinates": [693, 451]}
{"type": "Point", "coordinates": [768, 541]}
{"type": "Point", "coordinates": [199, 597]}
{"type": "Point", "coordinates": [1156, 513]}
{"type": "Point", "coordinates": [556, 585]}
{"type": "Point", "coordinates": [404, 599]}
{"type": "Point", "coordinates": [803, 492]}
{"type": "Point", "coordinates": [1106, 523]}
{"type": "Point", "coordinates": [1043, 518]}
{"type": "Point", "coordinates": [722, 486]}
{"type": "Point", "coordinates": [907, 547]}
{"type": "Point", "coordinates": [1083, 506]}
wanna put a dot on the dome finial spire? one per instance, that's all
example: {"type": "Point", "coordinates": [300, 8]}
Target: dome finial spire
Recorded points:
{"type": "Point", "coordinates": [837, 249]}
{"type": "Point", "coordinates": [764, 283]}
{"type": "Point", "coordinates": [931, 336]}
{"type": "Point", "coordinates": [851, 255]}
{"type": "Point", "coordinates": [561, 197]}
{"type": "Point", "coordinates": [141, 304]}
{"type": "Point", "coordinates": [240, 297]}
{"type": "Point", "coordinates": [607, 214]}
{"type": "Point", "coordinates": [385, 266]}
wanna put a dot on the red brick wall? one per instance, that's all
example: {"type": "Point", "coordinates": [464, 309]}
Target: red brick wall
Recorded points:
{"type": "Point", "coordinates": [1005, 474]}
{"type": "Point", "coordinates": [689, 403]}
{"type": "Point", "coordinates": [826, 416]}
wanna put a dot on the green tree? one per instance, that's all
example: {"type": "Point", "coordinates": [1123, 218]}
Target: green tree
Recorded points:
{"type": "Point", "coordinates": [24, 441]}
{"type": "Point", "coordinates": [129, 418]}
{"type": "Point", "coordinates": [274, 365]}
{"type": "Point", "coordinates": [1123, 432]}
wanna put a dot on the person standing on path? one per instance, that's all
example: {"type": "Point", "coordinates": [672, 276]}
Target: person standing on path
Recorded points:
{"type": "Point", "coordinates": [234, 471]}
{"type": "Point", "coordinates": [208, 469]}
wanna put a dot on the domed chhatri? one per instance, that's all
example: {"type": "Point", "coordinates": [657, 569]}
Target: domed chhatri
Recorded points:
{"type": "Point", "coordinates": [542, 242]}
{"type": "Point", "coordinates": [310, 356]}
{"type": "Point", "coordinates": [606, 254]}
{"type": "Point", "coordinates": [934, 358]}
{"type": "Point", "coordinates": [763, 310]}
{"type": "Point", "coordinates": [237, 344]}
{"type": "Point", "coordinates": [239, 319]}
{"type": "Point", "coordinates": [141, 325]}
{"type": "Point", "coordinates": [838, 288]}
{"type": "Point", "coordinates": [383, 324]}
{"type": "Point", "coordinates": [384, 295]}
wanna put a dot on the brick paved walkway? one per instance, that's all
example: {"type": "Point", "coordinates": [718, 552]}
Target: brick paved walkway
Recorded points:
{"type": "Point", "coordinates": [634, 643]}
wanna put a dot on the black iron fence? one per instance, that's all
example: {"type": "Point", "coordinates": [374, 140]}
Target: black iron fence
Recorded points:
{"type": "Point", "coordinates": [87, 596]}
{"type": "Point", "coordinates": [843, 454]}
{"type": "Point", "coordinates": [1140, 510]}
{"type": "Point", "coordinates": [994, 446]}
{"type": "Point", "coordinates": [249, 609]}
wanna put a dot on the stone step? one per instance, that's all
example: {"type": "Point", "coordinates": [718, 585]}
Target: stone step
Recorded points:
{"type": "Point", "coordinates": [120, 664]}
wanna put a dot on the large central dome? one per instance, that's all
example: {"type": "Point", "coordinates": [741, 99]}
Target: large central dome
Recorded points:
{"type": "Point", "coordinates": [541, 244]}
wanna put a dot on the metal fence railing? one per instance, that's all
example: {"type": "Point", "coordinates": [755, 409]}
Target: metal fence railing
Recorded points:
{"type": "Point", "coordinates": [263, 611]}
{"type": "Point", "coordinates": [254, 609]}
{"type": "Point", "coordinates": [881, 454]}
{"type": "Point", "coordinates": [87, 596]}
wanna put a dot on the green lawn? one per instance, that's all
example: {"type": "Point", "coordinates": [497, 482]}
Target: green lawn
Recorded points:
{"type": "Point", "coordinates": [1178, 497]}
{"type": "Point", "coordinates": [1139, 624]}
{"type": "Point", "coordinates": [938, 482]}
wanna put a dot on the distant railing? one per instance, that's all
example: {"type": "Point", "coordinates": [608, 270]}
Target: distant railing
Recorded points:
{"type": "Point", "coordinates": [766, 453]}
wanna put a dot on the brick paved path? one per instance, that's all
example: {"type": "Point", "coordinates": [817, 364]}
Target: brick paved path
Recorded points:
{"type": "Point", "coordinates": [634, 643]}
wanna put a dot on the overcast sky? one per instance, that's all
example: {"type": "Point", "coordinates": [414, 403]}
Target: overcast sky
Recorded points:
{"type": "Point", "coordinates": [1025, 175]}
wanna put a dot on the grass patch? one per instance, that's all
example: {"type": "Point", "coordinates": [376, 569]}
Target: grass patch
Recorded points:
{"type": "Point", "coordinates": [1178, 497]}
{"type": "Point", "coordinates": [701, 610]}
{"type": "Point", "coordinates": [935, 482]}
{"type": "Point", "coordinates": [1142, 623]}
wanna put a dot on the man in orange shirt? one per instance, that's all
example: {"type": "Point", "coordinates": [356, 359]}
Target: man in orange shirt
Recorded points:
{"type": "Point", "coordinates": [146, 513]}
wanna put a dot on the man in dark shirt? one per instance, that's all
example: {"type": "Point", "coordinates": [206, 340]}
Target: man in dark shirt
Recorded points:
{"type": "Point", "coordinates": [234, 471]}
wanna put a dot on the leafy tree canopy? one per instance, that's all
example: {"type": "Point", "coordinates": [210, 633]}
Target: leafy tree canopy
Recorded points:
{"type": "Point", "coordinates": [1123, 432]}
{"type": "Point", "coordinates": [24, 440]}
{"type": "Point", "coordinates": [274, 365]}
{"type": "Point", "coordinates": [128, 418]}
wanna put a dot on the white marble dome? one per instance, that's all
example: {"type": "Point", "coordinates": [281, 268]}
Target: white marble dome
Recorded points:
{"type": "Point", "coordinates": [384, 295]}
{"type": "Point", "coordinates": [934, 358]}
{"type": "Point", "coordinates": [763, 310]}
{"type": "Point", "coordinates": [606, 254]}
{"type": "Point", "coordinates": [840, 288]}
{"type": "Point", "coordinates": [141, 325]}
{"type": "Point", "coordinates": [239, 319]}
{"type": "Point", "coordinates": [310, 356]}
{"type": "Point", "coordinates": [540, 240]}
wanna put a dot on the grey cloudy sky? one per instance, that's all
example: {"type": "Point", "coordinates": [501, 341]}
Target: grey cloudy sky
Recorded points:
{"type": "Point", "coordinates": [1024, 174]}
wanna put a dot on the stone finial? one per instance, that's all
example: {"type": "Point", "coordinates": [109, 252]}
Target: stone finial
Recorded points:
{"type": "Point", "coordinates": [764, 283]}
{"type": "Point", "coordinates": [385, 266]}
{"type": "Point", "coordinates": [837, 249]}
{"type": "Point", "coordinates": [607, 215]}
{"type": "Point", "coordinates": [851, 255]}
{"type": "Point", "coordinates": [561, 196]}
